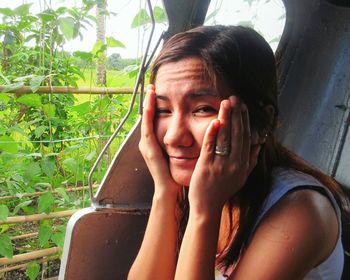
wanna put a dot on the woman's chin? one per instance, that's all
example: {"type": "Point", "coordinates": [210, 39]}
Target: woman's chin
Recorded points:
{"type": "Point", "coordinates": [182, 178]}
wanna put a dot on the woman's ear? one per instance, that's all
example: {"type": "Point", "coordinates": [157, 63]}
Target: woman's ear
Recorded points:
{"type": "Point", "coordinates": [270, 112]}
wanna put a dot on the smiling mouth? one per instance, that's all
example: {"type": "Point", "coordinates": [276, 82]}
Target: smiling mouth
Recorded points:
{"type": "Point", "coordinates": [182, 159]}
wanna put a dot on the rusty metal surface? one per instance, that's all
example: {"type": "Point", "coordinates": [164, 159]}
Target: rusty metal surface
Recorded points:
{"type": "Point", "coordinates": [184, 14]}
{"type": "Point", "coordinates": [315, 83]}
{"type": "Point", "coordinates": [102, 244]}
{"type": "Point", "coordinates": [127, 180]}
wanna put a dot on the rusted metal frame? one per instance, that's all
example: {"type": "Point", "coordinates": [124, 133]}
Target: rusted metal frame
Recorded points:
{"type": "Point", "coordinates": [139, 82]}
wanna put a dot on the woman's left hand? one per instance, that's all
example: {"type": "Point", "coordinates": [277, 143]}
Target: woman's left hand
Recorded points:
{"type": "Point", "coordinates": [227, 158]}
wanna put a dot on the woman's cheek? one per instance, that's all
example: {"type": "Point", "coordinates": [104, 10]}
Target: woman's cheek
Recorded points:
{"type": "Point", "coordinates": [201, 128]}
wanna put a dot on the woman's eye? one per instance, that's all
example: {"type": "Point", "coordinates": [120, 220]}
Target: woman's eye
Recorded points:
{"type": "Point", "coordinates": [162, 111]}
{"type": "Point", "coordinates": [206, 110]}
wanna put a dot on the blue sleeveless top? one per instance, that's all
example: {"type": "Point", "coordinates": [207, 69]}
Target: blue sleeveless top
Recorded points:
{"type": "Point", "coordinates": [284, 181]}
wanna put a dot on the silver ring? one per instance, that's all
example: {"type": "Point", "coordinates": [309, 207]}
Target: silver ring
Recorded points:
{"type": "Point", "coordinates": [222, 150]}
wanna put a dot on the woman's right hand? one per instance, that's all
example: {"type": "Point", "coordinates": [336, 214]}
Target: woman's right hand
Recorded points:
{"type": "Point", "coordinates": [151, 150]}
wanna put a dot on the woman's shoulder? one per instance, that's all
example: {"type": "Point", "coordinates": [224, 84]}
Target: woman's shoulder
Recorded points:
{"type": "Point", "coordinates": [296, 235]}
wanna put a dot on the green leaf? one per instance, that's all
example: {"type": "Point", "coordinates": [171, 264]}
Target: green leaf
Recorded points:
{"type": "Point", "coordinates": [4, 98]}
{"type": "Point", "coordinates": [90, 156]}
{"type": "Point", "coordinates": [35, 155]}
{"type": "Point", "coordinates": [35, 82]}
{"type": "Point", "coordinates": [4, 212]}
{"type": "Point", "coordinates": [45, 204]}
{"type": "Point", "coordinates": [33, 270]}
{"type": "Point", "coordinates": [23, 78]}
{"type": "Point", "coordinates": [99, 47]}
{"type": "Point", "coordinates": [71, 164]}
{"type": "Point", "coordinates": [48, 166]}
{"type": "Point", "coordinates": [22, 10]}
{"type": "Point", "coordinates": [32, 170]}
{"type": "Point", "coordinates": [21, 206]}
{"type": "Point", "coordinates": [113, 43]}
{"type": "Point", "coordinates": [67, 26]}
{"type": "Point", "coordinates": [47, 15]}
{"type": "Point", "coordinates": [32, 100]}
{"type": "Point", "coordinates": [7, 12]}
{"type": "Point", "coordinates": [63, 194]}
{"type": "Point", "coordinates": [140, 19]}
{"type": "Point", "coordinates": [86, 56]}
{"type": "Point", "coordinates": [6, 249]}
{"type": "Point", "coordinates": [82, 108]}
{"type": "Point", "coordinates": [58, 239]}
{"type": "Point", "coordinates": [8, 144]}
{"type": "Point", "coordinates": [13, 87]}
{"type": "Point", "coordinates": [49, 110]}
{"type": "Point", "coordinates": [40, 130]}
{"type": "Point", "coordinates": [45, 232]}
{"type": "Point", "coordinates": [7, 81]}
{"type": "Point", "coordinates": [159, 15]}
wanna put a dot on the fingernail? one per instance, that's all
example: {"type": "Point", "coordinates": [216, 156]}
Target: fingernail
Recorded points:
{"type": "Point", "coordinates": [233, 100]}
{"type": "Point", "coordinates": [226, 104]}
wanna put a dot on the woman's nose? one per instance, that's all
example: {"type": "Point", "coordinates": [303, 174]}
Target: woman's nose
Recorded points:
{"type": "Point", "coordinates": [178, 133]}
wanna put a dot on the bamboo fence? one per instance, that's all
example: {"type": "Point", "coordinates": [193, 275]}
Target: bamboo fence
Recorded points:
{"type": "Point", "coordinates": [45, 255]}
{"type": "Point", "coordinates": [40, 193]}
{"type": "Point", "coordinates": [44, 258]}
{"type": "Point", "coordinates": [38, 217]}
{"type": "Point", "coordinates": [29, 256]}
{"type": "Point", "coordinates": [72, 90]}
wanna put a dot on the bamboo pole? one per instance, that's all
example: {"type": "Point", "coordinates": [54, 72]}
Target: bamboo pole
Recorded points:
{"type": "Point", "coordinates": [40, 193]}
{"type": "Point", "coordinates": [24, 265]}
{"type": "Point", "coordinates": [73, 90]}
{"type": "Point", "coordinates": [38, 217]}
{"type": "Point", "coordinates": [23, 236]}
{"type": "Point", "coordinates": [29, 256]}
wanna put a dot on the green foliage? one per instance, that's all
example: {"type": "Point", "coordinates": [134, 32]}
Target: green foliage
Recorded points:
{"type": "Point", "coordinates": [33, 270]}
{"type": "Point", "coordinates": [42, 137]}
{"type": "Point", "coordinates": [5, 246]}
{"type": "Point", "coordinates": [142, 18]}
{"type": "Point", "coordinates": [46, 202]}
{"type": "Point", "coordinates": [4, 212]}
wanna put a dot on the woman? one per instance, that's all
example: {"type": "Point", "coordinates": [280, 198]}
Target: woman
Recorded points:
{"type": "Point", "coordinates": [228, 197]}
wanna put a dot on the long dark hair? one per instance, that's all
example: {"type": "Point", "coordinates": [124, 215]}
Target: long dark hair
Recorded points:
{"type": "Point", "coordinates": [242, 59]}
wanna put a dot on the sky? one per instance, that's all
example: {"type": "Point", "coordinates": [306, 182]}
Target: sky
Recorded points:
{"type": "Point", "coordinates": [265, 14]}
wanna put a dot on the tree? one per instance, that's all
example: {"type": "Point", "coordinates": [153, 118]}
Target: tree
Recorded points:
{"type": "Point", "coordinates": [101, 9]}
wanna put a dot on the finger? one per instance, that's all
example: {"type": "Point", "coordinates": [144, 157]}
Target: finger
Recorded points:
{"type": "Point", "coordinates": [236, 129]}
{"type": "Point", "coordinates": [148, 113]}
{"type": "Point", "coordinates": [207, 151]}
{"type": "Point", "coordinates": [246, 144]}
{"type": "Point", "coordinates": [223, 138]}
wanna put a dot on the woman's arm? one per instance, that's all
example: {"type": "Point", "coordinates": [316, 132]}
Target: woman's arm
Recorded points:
{"type": "Point", "coordinates": [157, 256]}
{"type": "Point", "coordinates": [215, 179]}
{"type": "Point", "coordinates": [297, 234]}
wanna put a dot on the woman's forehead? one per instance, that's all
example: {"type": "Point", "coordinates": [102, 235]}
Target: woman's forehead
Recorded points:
{"type": "Point", "coordinates": [187, 68]}
{"type": "Point", "coordinates": [191, 73]}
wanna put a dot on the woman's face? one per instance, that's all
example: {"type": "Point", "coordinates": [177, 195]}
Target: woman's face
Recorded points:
{"type": "Point", "coordinates": [186, 103]}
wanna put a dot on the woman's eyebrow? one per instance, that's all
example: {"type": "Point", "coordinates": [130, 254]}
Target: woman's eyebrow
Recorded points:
{"type": "Point", "coordinates": [202, 93]}
{"type": "Point", "coordinates": [192, 95]}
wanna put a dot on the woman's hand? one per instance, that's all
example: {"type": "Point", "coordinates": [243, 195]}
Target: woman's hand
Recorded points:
{"type": "Point", "coordinates": [217, 177]}
{"type": "Point", "coordinates": [151, 150]}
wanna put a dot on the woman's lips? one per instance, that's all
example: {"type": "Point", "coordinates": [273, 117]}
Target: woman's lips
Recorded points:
{"type": "Point", "coordinates": [182, 160]}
